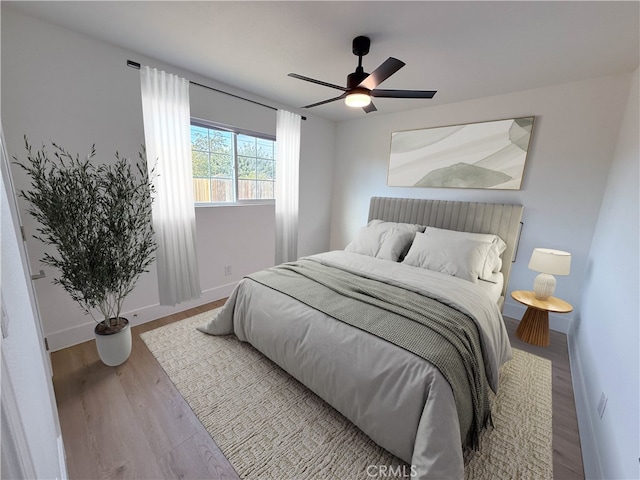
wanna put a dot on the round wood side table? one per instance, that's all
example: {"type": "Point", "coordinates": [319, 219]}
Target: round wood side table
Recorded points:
{"type": "Point", "coordinates": [534, 326]}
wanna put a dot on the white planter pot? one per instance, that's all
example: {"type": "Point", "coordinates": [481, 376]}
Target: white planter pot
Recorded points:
{"type": "Point", "coordinates": [114, 348]}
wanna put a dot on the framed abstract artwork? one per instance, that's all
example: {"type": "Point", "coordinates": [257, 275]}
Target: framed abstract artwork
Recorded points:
{"type": "Point", "coordinates": [476, 155]}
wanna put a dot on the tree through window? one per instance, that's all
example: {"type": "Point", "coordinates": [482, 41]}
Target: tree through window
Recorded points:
{"type": "Point", "coordinates": [231, 166]}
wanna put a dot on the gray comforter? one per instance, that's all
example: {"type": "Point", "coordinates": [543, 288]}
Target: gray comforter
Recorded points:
{"type": "Point", "coordinates": [398, 399]}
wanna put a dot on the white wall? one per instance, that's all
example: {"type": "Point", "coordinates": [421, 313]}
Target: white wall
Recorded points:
{"type": "Point", "coordinates": [316, 177]}
{"type": "Point", "coordinates": [606, 337]}
{"type": "Point", "coordinates": [574, 136]}
{"type": "Point", "coordinates": [62, 86]}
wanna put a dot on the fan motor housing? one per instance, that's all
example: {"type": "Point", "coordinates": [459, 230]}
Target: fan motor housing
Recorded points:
{"type": "Point", "coordinates": [354, 79]}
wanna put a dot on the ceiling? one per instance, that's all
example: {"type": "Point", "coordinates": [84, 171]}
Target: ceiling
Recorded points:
{"type": "Point", "coordinates": [463, 50]}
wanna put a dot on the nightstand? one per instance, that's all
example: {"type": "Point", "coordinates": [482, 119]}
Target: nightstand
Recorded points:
{"type": "Point", "coordinates": [534, 326]}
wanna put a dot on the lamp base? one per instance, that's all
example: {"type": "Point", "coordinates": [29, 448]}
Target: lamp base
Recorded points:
{"type": "Point", "coordinates": [544, 285]}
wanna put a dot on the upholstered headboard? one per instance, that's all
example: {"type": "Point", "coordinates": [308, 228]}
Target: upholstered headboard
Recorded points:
{"type": "Point", "coordinates": [496, 218]}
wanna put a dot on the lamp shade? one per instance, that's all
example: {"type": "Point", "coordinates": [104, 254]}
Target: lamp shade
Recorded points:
{"type": "Point", "coordinates": [553, 262]}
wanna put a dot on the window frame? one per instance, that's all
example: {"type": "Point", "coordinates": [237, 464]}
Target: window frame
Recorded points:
{"type": "Point", "coordinates": [197, 122]}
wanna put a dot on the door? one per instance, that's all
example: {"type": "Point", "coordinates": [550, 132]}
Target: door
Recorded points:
{"type": "Point", "coordinates": [31, 438]}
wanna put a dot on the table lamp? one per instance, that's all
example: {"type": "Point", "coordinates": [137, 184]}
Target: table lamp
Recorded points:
{"type": "Point", "coordinates": [548, 262]}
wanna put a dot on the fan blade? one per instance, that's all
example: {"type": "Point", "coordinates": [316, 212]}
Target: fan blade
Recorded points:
{"type": "Point", "coordinates": [369, 108]}
{"type": "Point", "coordinates": [325, 101]}
{"type": "Point", "coordinates": [319, 82]}
{"type": "Point", "coordinates": [403, 93]}
{"type": "Point", "coordinates": [389, 67]}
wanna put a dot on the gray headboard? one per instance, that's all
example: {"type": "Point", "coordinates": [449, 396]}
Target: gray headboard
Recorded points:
{"type": "Point", "coordinates": [497, 218]}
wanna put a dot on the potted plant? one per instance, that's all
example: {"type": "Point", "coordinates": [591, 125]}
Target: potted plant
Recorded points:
{"type": "Point", "coordinates": [98, 219]}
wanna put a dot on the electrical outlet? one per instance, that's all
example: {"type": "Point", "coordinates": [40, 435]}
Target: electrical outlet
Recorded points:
{"type": "Point", "coordinates": [602, 404]}
{"type": "Point", "coordinates": [227, 270]}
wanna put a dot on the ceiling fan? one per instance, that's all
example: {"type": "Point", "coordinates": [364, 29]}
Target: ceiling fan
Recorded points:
{"type": "Point", "coordinates": [361, 86]}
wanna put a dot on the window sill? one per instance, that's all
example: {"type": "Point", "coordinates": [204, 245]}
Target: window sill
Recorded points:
{"type": "Point", "coordinates": [236, 204]}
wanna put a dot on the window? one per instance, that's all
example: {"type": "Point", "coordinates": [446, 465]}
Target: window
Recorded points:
{"type": "Point", "coordinates": [232, 166]}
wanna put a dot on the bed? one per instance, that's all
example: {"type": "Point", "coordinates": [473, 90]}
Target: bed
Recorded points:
{"type": "Point", "coordinates": [350, 325]}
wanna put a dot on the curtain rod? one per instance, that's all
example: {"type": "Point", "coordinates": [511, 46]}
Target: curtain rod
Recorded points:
{"type": "Point", "coordinates": [136, 65]}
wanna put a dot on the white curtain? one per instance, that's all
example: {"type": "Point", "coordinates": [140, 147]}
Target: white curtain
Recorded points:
{"type": "Point", "coordinates": [166, 115]}
{"type": "Point", "coordinates": [287, 180]}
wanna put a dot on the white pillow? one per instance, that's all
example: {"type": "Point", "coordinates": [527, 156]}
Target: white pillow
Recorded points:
{"type": "Point", "coordinates": [395, 244]}
{"type": "Point", "coordinates": [371, 238]}
{"type": "Point", "coordinates": [367, 242]}
{"type": "Point", "coordinates": [498, 266]}
{"type": "Point", "coordinates": [493, 260]}
{"type": "Point", "coordinates": [459, 257]}
{"type": "Point", "coordinates": [480, 237]}
{"type": "Point", "coordinates": [404, 227]}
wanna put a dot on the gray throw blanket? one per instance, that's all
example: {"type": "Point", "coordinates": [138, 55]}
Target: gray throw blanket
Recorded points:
{"type": "Point", "coordinates": [443, 336]}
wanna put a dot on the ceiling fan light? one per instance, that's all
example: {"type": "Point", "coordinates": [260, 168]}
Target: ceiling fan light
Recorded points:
{"type": "Point", "coordinates": [357, 99]}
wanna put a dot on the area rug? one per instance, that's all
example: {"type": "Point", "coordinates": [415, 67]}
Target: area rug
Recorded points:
{"type": "Point", "coordinates": [269, 426]}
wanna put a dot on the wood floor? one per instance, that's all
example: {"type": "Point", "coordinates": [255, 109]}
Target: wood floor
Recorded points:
{"type": "Point", "coordinates": [567, 455]}
{"type": "Point", "coordinates": [131, 422]}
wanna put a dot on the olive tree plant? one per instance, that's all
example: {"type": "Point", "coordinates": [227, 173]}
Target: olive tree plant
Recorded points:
{"type": "Point", "coordinates": [98, 219]}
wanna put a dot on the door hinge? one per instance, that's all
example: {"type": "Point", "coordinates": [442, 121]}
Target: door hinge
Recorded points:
{"type": "Point", "coordinates": [38, 275]}
{"type": "Point", "coordinates": [46, 344]}
{"type": "Point", "coordinates": [24, 235]}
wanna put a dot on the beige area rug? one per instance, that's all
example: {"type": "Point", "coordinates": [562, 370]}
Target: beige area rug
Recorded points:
{"type": "Point", "coordinates": [269, 426]}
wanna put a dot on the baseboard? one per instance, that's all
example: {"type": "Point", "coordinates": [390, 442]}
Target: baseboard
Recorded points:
{"type": "Point", "coordinates": [557, 322]}
{"type": "Point", "coordinates": [62, 458]}
{"type": "Point", "coordinates": [590, 457]}
{"type": "Point", "coordinates": [84, 332]}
